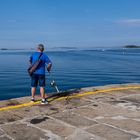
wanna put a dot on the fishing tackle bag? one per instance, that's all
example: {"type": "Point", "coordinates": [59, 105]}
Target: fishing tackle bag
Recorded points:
{"type": "Point", "coordinates": [34, 66]}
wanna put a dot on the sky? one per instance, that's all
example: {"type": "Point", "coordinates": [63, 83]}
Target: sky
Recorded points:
{"type": "Point", "coordinates": [69, 23]}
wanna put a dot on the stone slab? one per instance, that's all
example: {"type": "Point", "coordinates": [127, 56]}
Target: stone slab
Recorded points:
{"type": "Point", "coordinates": [87, 112]}
{"type": "Point", "coordinates": [8, 116]}
{"type": "Point", "coordinates": [110, 133]}
{"type": "Point", "coordinates": [135, 98]}
{"type": "Point", "coordinates": [56, 127]}
{"type": "Point", "coordinates": [74, 119]}
{"type": "Point", "coordinates": [5, 138]}
{"type": "Point", "coordinates": [123, 123]}
{"type": "Point", "coordinates": [22, 132]}
{"type": "Point", "coordinates": [1, 133]}
{"type": "Point", "coordinates": [83, 135]}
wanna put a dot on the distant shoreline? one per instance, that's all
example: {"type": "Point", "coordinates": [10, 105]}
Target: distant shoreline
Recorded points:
{"type": "Point", "coordinates": [71, 48]}
{"type": "Point", "coordinates": [131, 46]}
{"type": "Point", "coordinates": [6, 49]}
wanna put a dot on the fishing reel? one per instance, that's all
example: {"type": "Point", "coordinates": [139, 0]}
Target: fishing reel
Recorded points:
{"type": "Point", "coordinates": [53, 83]}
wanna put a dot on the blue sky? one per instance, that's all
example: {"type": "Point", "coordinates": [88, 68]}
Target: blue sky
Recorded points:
{"type": "Point", "coordinates": [69, 23]}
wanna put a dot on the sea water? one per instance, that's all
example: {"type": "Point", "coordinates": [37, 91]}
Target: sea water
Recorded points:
{"type": "Point", "coordinates": [71, 69]}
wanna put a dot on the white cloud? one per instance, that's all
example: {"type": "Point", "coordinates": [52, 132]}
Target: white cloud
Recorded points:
{"type": "Point", "coordinates": [130, 21]}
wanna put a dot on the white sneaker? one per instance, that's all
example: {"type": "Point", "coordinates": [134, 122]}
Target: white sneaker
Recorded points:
{"type": "Point", "coordinates": [44, 101]}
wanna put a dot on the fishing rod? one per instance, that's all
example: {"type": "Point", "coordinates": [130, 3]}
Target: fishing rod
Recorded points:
{"type": "Point", "coordinates": [60, 93]}
{"type": "Point", "coordinates": [53, 83]}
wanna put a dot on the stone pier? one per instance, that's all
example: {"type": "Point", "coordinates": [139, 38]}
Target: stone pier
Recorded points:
{"type": "Point", "coordinates": [109, 112]}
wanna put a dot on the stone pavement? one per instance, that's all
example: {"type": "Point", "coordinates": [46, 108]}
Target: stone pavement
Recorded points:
{"type": "Point", "coordinates": [113, 115]}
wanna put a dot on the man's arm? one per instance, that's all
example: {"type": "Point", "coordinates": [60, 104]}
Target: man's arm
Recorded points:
{"type": "Point", "coordinates": [48, 64]}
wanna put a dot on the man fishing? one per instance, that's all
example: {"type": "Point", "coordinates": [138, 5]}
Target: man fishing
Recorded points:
{"type": "Point", "coordinates": [38, 75]}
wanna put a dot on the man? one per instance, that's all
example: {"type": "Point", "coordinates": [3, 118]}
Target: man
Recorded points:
{"type": "Point", "coordinates": [38, 76]}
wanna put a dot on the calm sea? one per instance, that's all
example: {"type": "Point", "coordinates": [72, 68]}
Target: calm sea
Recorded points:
{"type": "Point", "coordinates": [71, 69]}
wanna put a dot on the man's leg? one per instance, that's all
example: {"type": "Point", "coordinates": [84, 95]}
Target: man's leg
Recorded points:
{"type": "Point", "coordinates": [34, 82]}
{"type": "Point", "coordinates": [42, 92]}
{"type": "Point", "coordinates": [42, 88]}
{"type": "Point", "coordinates": [33, 90]}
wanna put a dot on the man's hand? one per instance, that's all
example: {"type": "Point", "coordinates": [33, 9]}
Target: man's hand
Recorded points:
{"type": "Point", "coordinates": [30, 63]}
{"type": "Point", "coordinates": [49, 67]}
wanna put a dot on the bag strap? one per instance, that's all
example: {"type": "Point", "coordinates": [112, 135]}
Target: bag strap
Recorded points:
{"type": "Point", "coordinates": [40, 56]}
